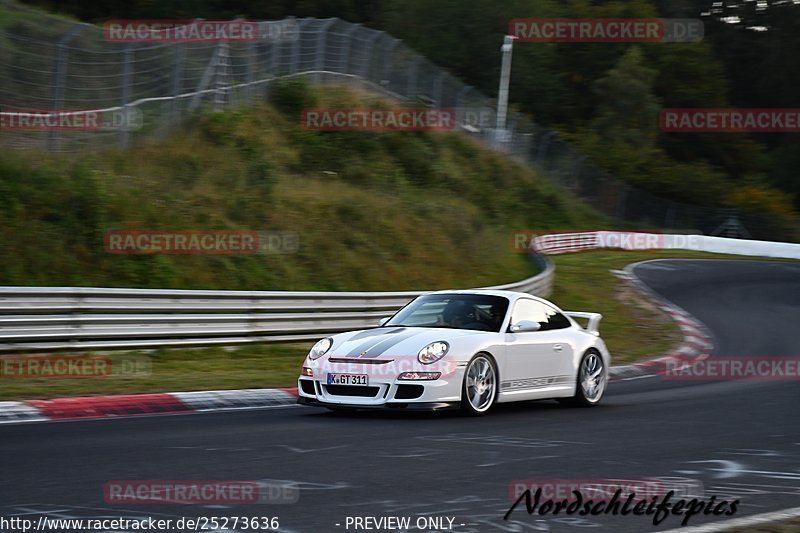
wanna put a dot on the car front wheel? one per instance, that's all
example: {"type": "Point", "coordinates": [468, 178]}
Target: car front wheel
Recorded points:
{"type": "Point", "coordinates": [479, 390]}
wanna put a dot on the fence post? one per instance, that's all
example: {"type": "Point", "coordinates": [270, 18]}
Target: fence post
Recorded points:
{"type": "Point", "coordinates": [436, 94]}
{"type": "Point", "coordinates": [623, 193]}
{"type": "Point", "coordinates": [368, 61]}
{"type": "Point", "coordinates": [177, 79]}
{"type": "Point", "coordinates": [205, 81]}
{"type": "Point", "coordinates": [732, 227]}
{"type": "Point", "coordinates": [275, 56]}
{"type": "Point", "coordinates": [462, 95]}
{"type": "Point", "coordinates": [344, 63]}
{"type": "Point", "coordinates": [251, 72]}
{"type": "Point", "coordinates": [462, 118]}
{"type": "Point", "coordinates": [221, 78]}
{"type": "Point", "coordinates": [387, 60]}
{"type": "Point", "coordinates": [669, 220]}
{"type": "Point", "coordinates": [295, 57]}
{"type": "Point", "coordinates": [576, 172]}
{"type": "Point", "coordinates": [543, 147]}
{"type": "Point", "coordinates": [411, 86]}
{"type": "Point", "coordinates": [126, 93]}
{"type": "Point", "coordinates": [319, 64]}
{"type": "Point", "coordinates": [61, 79]}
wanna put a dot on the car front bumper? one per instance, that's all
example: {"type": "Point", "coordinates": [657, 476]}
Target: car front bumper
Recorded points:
{"type": "Point", "coordinates": [414, 406]}
{"type": "Point", "coordinates": [382, 391]}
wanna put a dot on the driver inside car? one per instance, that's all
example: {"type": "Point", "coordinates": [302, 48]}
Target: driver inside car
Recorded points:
{"type": "Point", "coordinates": [496, 314]}
{"type": "Point", "coordinates": [456, 314]}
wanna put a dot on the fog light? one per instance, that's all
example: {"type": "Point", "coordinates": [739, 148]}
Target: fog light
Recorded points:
{"type": "Point", "coordinates": [419, 376]}
{"type": "Point", "coordinates": [307, 371]}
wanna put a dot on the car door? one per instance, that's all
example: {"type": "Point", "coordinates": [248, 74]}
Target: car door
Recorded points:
{"type": "Point", "coordinates": [537, 362]}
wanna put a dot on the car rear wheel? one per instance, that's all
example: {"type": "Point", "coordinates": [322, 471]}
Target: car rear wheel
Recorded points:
{"type": "Point", "coordinates": [479, 390]}
{"type": "Point", "coordinates": [592, 381]}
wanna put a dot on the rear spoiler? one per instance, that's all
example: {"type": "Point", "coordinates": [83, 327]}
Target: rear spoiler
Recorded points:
{"type": "Point", "coordinates": [593, 326]}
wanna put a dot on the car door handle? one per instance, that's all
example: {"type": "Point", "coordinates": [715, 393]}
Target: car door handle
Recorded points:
{"type": "Point", "coordinates": [558, 347]}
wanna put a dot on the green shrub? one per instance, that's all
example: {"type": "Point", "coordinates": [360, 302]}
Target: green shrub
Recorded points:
{"type": "Point", "coordinates": [291, 97]}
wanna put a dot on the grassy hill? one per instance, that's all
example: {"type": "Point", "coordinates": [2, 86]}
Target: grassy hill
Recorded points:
{"type": "Point", "coordinates": [372, 211]}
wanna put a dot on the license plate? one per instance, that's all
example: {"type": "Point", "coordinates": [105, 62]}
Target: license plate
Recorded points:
{"type": "Point", "coordinates": [348, 379]}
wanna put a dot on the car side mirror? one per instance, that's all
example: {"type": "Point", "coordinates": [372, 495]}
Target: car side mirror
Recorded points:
{"type": "Point", "coordinates": [383, 321]}
{"type": "Point", "coordinates": [524, 326]}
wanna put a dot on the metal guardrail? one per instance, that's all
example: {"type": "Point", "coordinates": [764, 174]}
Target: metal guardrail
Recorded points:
{"type": "Point", "coordinates": [58, 318]}
{"type": "Point", "coordinates": [551, 244]}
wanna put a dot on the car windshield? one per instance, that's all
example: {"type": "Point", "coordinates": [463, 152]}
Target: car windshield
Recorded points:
{"type": "Point", "coordinates": [483, 312]}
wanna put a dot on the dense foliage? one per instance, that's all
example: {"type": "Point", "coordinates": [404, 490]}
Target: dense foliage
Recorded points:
{"type": "Point", "coordinates": [371, 211]}
{"type": "Point", "coordinates": [747, 59]}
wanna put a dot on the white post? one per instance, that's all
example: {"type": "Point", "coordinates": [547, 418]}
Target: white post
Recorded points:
{"type": "Point", "coordinates": [502, 93]}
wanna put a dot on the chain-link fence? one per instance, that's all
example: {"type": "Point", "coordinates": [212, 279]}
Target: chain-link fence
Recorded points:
{"type": "Point", "coordinates": [143, 89]}
{"type": "Point", "coordinates": [562, 163]}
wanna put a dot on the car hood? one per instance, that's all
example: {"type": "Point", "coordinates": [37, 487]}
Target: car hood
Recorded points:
{"type": "Point", "coordinates": [391, 341]}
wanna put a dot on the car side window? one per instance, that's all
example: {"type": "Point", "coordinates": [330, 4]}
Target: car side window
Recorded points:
{"type": "Point", "coordinates": [556, 320]}
{"type": "Point", "coordinates": [526, 309]}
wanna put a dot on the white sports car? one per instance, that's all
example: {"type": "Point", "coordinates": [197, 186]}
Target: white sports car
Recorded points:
{"type": "Point", "coordinates": [468, 349]}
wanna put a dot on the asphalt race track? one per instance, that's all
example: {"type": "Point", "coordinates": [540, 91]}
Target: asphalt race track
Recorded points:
{"type": "Point", "coordinates": [740, 440]}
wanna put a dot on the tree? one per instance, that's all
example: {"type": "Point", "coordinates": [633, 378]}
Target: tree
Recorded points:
{"type": "Point", "coordinates": [628, 109]}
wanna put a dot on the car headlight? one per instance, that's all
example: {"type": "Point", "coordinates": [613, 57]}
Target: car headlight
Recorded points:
{"type": "Point", "coordinates": [433, 352]}
{"type": "Point", "coordinates": [320, 348]}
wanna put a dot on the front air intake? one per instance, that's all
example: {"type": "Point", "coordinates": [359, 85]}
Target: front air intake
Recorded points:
{"type": "Point", "coordinates": [408, 392]}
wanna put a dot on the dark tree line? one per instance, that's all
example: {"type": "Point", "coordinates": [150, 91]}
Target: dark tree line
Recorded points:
{"type": "Point", "coordinates": [748, 58]}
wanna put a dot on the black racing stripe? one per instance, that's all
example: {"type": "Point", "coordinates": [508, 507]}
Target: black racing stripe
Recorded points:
{"type": "Point", "coordinates": [384, 345]}
{"type": "Point", "coordinates": [374, 332]}
{"type": "Point", "coordinates": [373, 340]}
